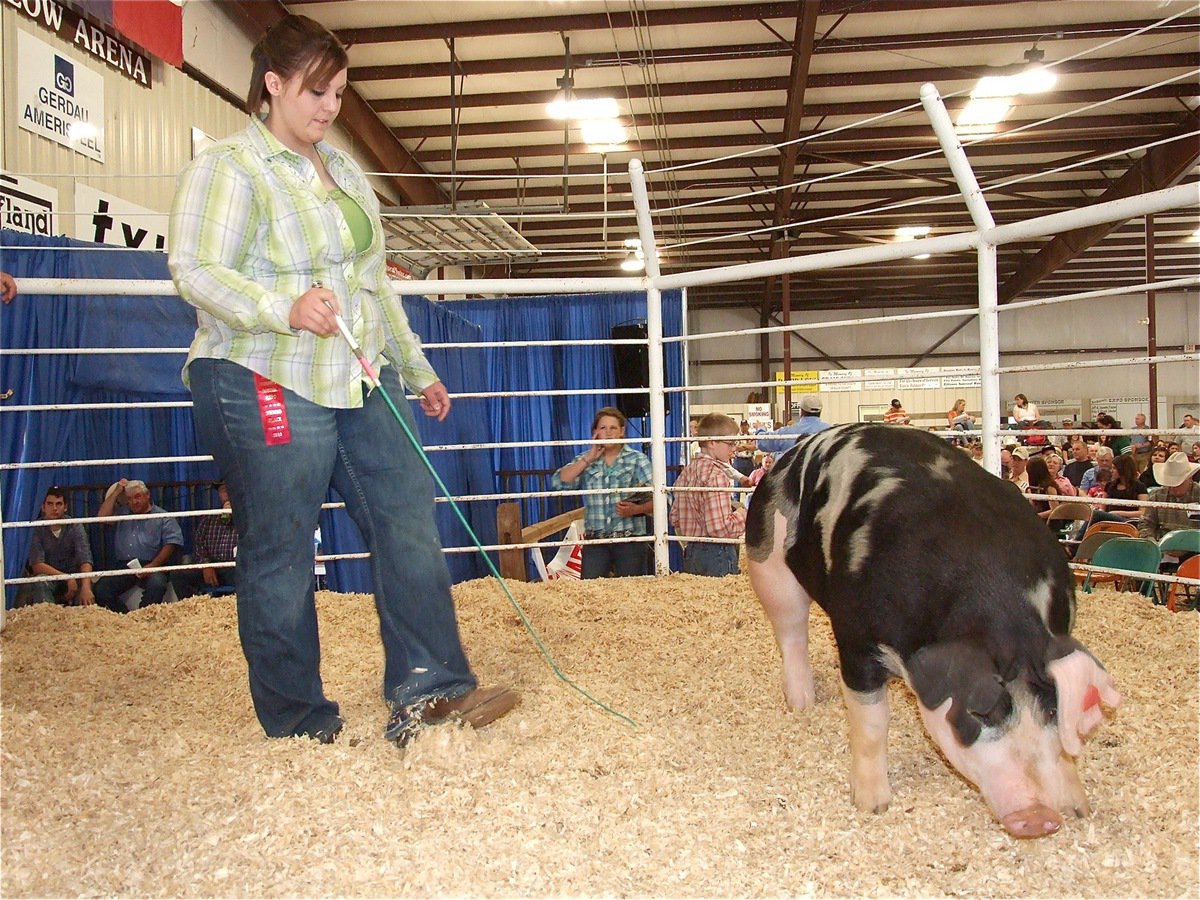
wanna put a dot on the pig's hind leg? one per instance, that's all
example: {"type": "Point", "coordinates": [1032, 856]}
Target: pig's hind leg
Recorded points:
{"type": "Point", "coordinates": [868, 714]}
{"type": "Point", "coordinates": [786, 604]}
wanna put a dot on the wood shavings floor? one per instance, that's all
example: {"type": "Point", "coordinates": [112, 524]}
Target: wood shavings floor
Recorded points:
{"type": "Point", "coordinates": [132, 764]}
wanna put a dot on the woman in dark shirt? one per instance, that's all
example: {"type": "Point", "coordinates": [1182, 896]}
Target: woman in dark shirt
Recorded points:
{"type": "Point", "coordinates": [1124, 485]}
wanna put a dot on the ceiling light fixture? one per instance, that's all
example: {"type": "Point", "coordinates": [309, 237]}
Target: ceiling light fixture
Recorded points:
{"type": "Point", "coordinates": [632, 263]}
{"type": "Point", "coordinates": [991, 98]}
{"type": "Point", "coordinates": [1036, 78]}
{"type": "Point", "coordinates": [635, 260]}
{"type": "Point", "coordinates": [602, 135]}
{"type": "Point", "coordinates": [911, 233]}
{"type": "Point", "coordinates": [564, 107]}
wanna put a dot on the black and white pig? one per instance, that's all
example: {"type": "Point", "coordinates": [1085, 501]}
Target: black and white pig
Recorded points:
{"type": "Point", "coordinates": [931, 569]}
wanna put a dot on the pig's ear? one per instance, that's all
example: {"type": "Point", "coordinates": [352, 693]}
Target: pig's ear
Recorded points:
{"type": "Point", "coordinates": [966, 673]}
{"type": "Point", "coordinates": [1081, 684]}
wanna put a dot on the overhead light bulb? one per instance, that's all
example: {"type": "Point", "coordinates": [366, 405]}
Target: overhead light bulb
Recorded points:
{"type": "Point", "coordinates": [1036, 79]}
{"type": "Point", "coordinates": [911, 233]}
{"type": "Point", "coordinates": [602, 132]}
{"type": "Point", "coordinates": [582, 108]}
{"type": "Point", "coordinates": [633, 262]}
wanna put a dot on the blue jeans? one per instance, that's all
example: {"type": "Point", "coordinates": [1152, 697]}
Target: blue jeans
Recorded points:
{"type": "Point", "coordinates": [710, 559]}
{"type": "Point", "coordinates": [622, 559]}
{"type": "Point", "coordinates": [277, 492]}
{"type": "Point", "coordinates": [108, 590]}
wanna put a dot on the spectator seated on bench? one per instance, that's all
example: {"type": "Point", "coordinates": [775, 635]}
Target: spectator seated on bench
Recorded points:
{"type": "Point", "coordinates": [141, 545]}
{"type": "Point", "coordinates": [213, 541]}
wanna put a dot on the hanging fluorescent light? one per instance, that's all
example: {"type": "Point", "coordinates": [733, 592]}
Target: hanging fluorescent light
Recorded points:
{"type": "Point", "coordinates": [582, 108]}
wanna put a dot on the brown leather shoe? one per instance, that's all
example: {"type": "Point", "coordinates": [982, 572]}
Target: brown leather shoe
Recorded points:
{"type": "Point", "coordinates": [477, 708]}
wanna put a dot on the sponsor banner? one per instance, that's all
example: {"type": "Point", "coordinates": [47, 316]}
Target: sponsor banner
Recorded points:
{"type": "Point", "coordinates": [27, 205]}
{"type": "Point", "coordinates": [918, 384]}
{"type": "Point", "coordinates": [836, 387]}
{"type": "Point", "coordinates": [107, 219]}
{"type": "Point", "coordinates": [832, 376]}
{"type": "Point", "coordinates": [59, 98]}
{"type": "Point", "coordinates": [1108, 401]}
{"type": "Point", "coordinates": [98, 41]}
{"type": "Point", "coordinates": [962, 381]}
{"type": "Point", "coordinates": [804, 382]}
{"type": "Point", "coordinates": [884, 384]}
{"type": "Point", "coordinates": [880, 374]}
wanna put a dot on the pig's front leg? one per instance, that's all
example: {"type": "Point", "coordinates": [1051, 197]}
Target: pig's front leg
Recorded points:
{"type": "Point", "coordinates": [786, 604]}
{"type": "Point", "coordinates": [868, 715]}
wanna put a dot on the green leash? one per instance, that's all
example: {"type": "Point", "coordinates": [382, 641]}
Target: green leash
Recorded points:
{"type": "Point", "coordinates": [373, 378]}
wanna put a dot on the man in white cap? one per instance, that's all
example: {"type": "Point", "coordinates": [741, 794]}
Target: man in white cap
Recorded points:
{"type": "Point", "coordinates": [1018, 473]}
{"type": "Point", "coordinates": [1178, 479]}
{"type": "Point", "coordinates": [808, 423]}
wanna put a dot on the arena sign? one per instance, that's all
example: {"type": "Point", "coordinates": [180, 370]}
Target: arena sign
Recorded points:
{"type": "Point", "coordinates": [27, 205]}
{"type": "Point", "coordinates": [90, 37]}
{"type": "Point", "coordinates": [59, 98]}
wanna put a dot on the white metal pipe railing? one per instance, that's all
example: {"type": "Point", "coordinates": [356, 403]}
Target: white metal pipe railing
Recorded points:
{"type": "Point", "coordinates": [986, 267]}
{"type": "Point", "coordinates": [658, 449]}
{"type": "Point", "coordinates": [984, 240]}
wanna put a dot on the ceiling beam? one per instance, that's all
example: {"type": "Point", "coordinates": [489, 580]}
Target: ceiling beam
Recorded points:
{"type": "Point", "coordinates": [907, 138]}
{"type": "Point", "coordinates": [854, 109]}
{"type": "Point", "coordinates": [1161, 167]}
{"type": "Point", "coordinates": [941, 75]}
{"type": "Point", "coordinates": [373, 138]}
{"type": "Point", "coordinates": [650, 17]}
{"type": "Point", "coordinates": [723, 52]}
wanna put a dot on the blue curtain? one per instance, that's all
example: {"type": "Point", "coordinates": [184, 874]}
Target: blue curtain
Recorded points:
{"type": "Point", "coordinates": [569, 417]}
{"type": "Point", "coordinates": [130, 321]}
{"type": "Point", "coordinates": [91, 321]}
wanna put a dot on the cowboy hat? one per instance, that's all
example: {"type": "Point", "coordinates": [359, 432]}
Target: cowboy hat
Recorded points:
{"type": "Point", "coordinates": [1176, 470]}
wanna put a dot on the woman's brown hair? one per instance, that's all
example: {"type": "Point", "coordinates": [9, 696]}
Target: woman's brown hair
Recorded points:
{"type": "Point", "coordinates": [611, 412]}
{"type": "Point", "coordinates": [294, 44]}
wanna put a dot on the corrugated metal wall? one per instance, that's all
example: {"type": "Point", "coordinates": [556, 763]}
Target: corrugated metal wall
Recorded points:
{"type": "Point", "coordinates": [148, 132]}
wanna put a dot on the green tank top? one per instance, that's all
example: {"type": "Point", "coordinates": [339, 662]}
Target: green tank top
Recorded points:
{"type": "Point", "coordinates": [360, 225]}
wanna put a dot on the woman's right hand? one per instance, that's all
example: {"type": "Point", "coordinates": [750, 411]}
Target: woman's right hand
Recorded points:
{"type": "Point", "coordinates": [312, 312]}
{"type": "Point", "coordinates": [597, 450]}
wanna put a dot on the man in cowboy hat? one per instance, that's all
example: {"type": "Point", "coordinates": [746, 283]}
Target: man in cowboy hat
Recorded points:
{"type": "Point", "coordinates": [1177, 477]}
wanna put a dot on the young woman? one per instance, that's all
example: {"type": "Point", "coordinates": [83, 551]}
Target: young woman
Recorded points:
{"type": "Point", "coordinates": [1041, 482]}
{"type": "Point", "coordinates": [619, 514]}
{"type": "Point", "coordinates": [273, 232]}
{"type": "Point", "coordinates": [958, 417]}
{"type": "Point", "coordinates": [1123, 485]}
{"type": "Point", "coordinates": [1158, 455]}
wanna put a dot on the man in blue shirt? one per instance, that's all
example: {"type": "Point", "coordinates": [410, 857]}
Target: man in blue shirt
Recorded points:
{"type": "Point", "coordinates": [808, 423]}
{"type": "Point", "coordinates": [142, 545]}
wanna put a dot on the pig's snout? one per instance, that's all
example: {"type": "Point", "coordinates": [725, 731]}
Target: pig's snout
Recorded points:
{"type": "Point", "coordinates": [1033, 821]}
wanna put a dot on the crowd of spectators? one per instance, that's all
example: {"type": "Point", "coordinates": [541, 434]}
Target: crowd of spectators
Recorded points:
{"type": "Point", "coordinates": [1089, 463]}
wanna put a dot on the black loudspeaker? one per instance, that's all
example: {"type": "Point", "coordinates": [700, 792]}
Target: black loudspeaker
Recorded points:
{"type": "Point", "coordinates": [632, 365]}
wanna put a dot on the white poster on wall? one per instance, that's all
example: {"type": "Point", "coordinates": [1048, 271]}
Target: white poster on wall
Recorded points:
{"type": "Point", "coordinates": [759, 416]}
{"type": "Point", "coordinates": [843, 380]}
{"type": "Point", "coordinates": [107, 219]}
{"type": "Point", "coordinates": [59, 98]}
{"type": "Point", "coordinates": [27, 205]}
